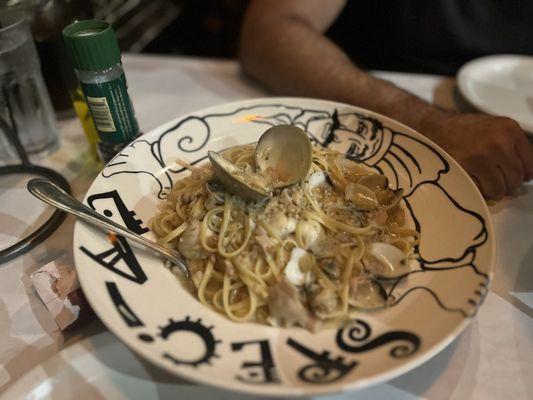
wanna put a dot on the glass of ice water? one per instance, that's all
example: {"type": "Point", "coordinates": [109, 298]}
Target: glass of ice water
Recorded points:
{"type": "Point", "coordinates": [24, 102]}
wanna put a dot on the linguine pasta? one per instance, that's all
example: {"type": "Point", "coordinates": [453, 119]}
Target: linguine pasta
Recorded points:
{"type": "Point", "coordinates": [313, 252]}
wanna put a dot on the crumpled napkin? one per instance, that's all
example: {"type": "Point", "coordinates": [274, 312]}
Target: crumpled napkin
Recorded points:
{"type": "Point", "coordinates": [58, 287]}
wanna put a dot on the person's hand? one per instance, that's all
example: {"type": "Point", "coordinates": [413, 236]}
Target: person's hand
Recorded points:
{"type": "Point", "coordinates": [494, 151]}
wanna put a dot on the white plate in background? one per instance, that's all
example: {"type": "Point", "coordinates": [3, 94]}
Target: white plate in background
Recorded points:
{"type": "Point", "coordinates": [500, 85]}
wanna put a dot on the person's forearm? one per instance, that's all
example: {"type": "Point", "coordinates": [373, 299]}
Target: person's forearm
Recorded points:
{"type": "Point", "coordinates": [294, 60]}
{"type": "Point", "coordinates": [283, 47]}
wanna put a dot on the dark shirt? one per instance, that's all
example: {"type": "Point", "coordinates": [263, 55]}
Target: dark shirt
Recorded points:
{"type": "Point", "coordinates": [432, 36]}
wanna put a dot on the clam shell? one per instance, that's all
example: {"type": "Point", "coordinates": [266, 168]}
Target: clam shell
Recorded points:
{"type": "Point", "coordinates": [237, 181]}
{"type": "Point", "coordinates": [284, 153]}
{"type": "Point", "coordinates": [374, 182]}
{"type": "Point", "coordinates": [386, 261]}
{"type": "Point", "coordinates": [361, 196]}
{"type": "Point", "coordinates": [368, 294]}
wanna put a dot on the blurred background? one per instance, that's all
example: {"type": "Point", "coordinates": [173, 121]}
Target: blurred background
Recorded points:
{"type": "Point", "coordinates": [205, 28]}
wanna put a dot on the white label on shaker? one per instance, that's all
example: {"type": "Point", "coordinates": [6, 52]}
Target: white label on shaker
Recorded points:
{"type": "Point", "coordinates": [101, 114]}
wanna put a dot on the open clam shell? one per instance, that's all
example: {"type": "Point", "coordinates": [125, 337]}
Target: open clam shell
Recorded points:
{"type": "Point", "coordinates": [367, 294]}
{"type": "Point", "coordinates": [375, 182]}
{"type": "Point", "coordinates": [361, 196]}
{"type": "Point", "coordinates": [388, 198]}
{"type": "Point", "coordinates": [379, 184]}
{"type": "Point", "coordinates": [284, 154]}
{"type": "Point", "coordinates": [386, 261]}
{"type": "Point", "coordinates": [248, 186]}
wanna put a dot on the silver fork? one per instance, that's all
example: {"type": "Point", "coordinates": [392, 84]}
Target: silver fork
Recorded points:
{"type": "Point", "coordinates": [52, 194]}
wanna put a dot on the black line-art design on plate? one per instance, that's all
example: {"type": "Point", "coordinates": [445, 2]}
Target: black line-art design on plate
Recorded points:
{"type": "Point", "coordinates": [353, 339]}
{"type": "Point", "coordinates": [145, 337]}
{"type": "Point", "coordinates": [205, 333]}
{"type": "Point", "coordinates": [465, 271]}
{"type": "Point", "coordinates": [261, 371]}
{"type": "Point", "coordinates": [119, 254]}
{"type": "Point", "coordinates": [128, 216]}
{"type": "Point", "coordinates": [119, 165]}
{"type": "Point", "coordinates": [323, 368]}
{"type": "Point", "coordinates": [409, 163]}
{"type": "Point", "coordinates": [128, 316]}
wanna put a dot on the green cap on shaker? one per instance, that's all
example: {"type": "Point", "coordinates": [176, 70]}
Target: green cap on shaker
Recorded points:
{"type": "Point", "coordinates": [92, 45]}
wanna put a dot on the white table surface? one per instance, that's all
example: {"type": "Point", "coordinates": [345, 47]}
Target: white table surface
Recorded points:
{"type": "Point", "coordinates": [492, 359]}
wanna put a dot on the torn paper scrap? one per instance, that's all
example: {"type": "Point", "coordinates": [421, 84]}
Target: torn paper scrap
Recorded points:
{"type": "Point", "coordinates": [57, 285]}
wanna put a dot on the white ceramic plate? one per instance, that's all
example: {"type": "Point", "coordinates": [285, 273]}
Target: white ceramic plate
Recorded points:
{"type": "Point", "coordinates": [500, 85]}
{"type": "Point", "coordinates": [146, 307]}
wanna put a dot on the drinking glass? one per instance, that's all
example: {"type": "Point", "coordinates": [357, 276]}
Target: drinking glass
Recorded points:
{"type": "Point", "coordinates": [24, 101]}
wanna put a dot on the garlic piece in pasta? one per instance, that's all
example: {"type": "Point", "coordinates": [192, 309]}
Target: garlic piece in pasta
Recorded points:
{"type": "Point", "coordinates": [189, 242]}
{"type": "Point", "coordinates": [310, 235]}
{"type": "Point", "coordinates": [281, 224]}
{"type": "Point", "coordinates": [292, 270]}
{"type": "Point", "coordinates": [318, 180]}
